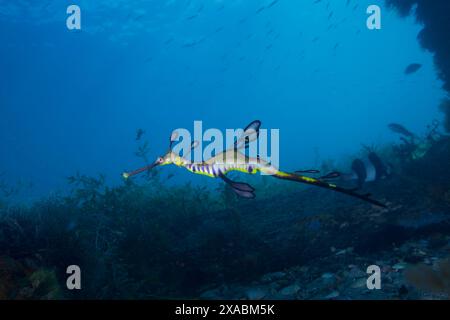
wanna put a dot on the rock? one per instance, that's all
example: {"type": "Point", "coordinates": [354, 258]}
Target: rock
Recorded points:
{"type": "Point", "coordinates": [328, 279]}
{"type": "Point", "coordinates": [211, 294]}
{"type": "Point", "coordinates": [360, 283]}
{"type": "Point", "coordinates": [332, 295]}
{"type": "Point", "coordinates": [327, 275]}
{"type": "Point", "coordinates": [290, 290]}
{"type": "Point", "coordinates": [399, 266]}
{"type": "Point", "coordinates": [256, 293]}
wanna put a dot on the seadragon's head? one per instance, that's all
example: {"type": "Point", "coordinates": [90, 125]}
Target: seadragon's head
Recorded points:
{"type": "Point", "coordinates": [170, 157]}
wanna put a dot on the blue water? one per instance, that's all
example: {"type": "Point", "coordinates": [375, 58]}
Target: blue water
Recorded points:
{"type": "Point", "coordinates": [72, 100]}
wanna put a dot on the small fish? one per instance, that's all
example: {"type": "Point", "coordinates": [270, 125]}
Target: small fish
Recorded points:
{"type": "Point", "coordinates": [331, 175]}
{"type": "Point", "coordinates": [137, 18]}
{"type": "Point", "coordinates": [190, 44]}
{"type": "Point", "coordinates": [270, 5]}
{"type": "Point", "coordinates": [168, 41]}
{"type": "Point", "coordinates": [139, 134]}
{"type": "Point", "coordinates": [242, 20]}
{"type": "Point", "coordinates": [218, 30]}
{"type": "Point", "coordinates": [398, 128]}
{"type": "Point", "coordinates": [317, 1]}
{"type": "Point", "coordinates": [192, 17]}
{"type": "Point", "coordinates": [260, 10]}
{"type": "Point", "coordinates": [412, 68]}
{"type": "Point", "coordinates": [330, 15]}
{"type": "Point", "coordinates": [308, 171]}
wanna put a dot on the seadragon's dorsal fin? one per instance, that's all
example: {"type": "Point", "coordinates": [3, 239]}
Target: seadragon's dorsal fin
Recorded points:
{"type": "Point", "coordinates": [250, 134]}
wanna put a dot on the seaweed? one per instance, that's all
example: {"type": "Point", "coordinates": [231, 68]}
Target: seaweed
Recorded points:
{"type": "Point", "coordinates": [144, 239]}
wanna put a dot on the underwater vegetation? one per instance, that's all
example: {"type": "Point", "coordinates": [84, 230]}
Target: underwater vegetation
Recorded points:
{"type": "Point", "coordinates": [144, 239]}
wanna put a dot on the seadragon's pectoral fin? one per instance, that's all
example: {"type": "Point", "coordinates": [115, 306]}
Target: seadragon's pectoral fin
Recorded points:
{"type": "Point", "coordinates": [242, 189]}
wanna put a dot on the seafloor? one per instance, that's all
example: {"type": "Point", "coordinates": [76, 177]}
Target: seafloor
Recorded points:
{"type": "Point", "coordinates": [144, 240]}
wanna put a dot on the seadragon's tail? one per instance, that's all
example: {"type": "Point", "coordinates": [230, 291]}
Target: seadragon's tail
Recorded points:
{"type": "Point", "coordinates": [326, 185]}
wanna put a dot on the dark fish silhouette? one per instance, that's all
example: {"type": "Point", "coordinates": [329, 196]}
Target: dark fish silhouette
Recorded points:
{"type": "Point", "coordinates": [192, 17]}
{"type": "Point", "coordinates": [270, 5]}
{"type": "Point", "coordinates": [218, 30]}
{"type": "Point", "coordinates": [331, 175]}
{"type": "Point", "coordinates": [139, 134]}
{"type": "Point", "coordinates": [308, 171]}
{"type": "Point", "coordinates": [260, 9]}
{"type": "Point", "coordinates": [168, 41]}
{"type": "Point", "coordinates": [398, 128]}
{"type": "Point", "coordinates": [412, 68]}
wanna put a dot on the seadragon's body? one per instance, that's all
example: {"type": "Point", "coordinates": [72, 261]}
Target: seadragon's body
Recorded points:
{"type": "Point", "coordinates": [233, 160]}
